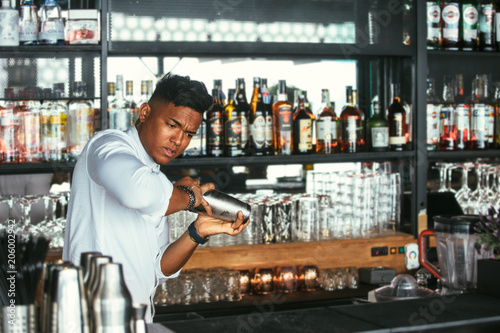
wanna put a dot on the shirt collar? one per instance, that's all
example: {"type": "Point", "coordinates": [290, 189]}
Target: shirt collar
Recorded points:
{"type": "Point", "coordinates": [144, 156]}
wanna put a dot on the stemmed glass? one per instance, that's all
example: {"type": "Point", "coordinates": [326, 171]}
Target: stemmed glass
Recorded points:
{"type": "Point", "coordinates": [476, 195]}
{"type": "Point", "coordinates": [463, 194]}
{"type": "Point", "coordinates": [441, 167]}
{"type": "Point", "coordinates": [27, 228]}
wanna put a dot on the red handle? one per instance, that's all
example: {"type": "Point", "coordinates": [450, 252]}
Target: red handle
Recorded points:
{"type": "Point", "coordinates": [422, 247]}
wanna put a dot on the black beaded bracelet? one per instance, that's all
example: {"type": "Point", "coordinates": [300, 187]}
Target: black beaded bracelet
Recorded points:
{"type": "Point", "coordinates": [195, 236]}
{"type": "Point", "coordinates": [190, 193]}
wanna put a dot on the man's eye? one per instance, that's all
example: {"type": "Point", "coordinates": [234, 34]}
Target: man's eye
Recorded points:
{"type": "Point", "coordinates": [189, 135]}
{"type": "Point", "coordinates": [171, 125]}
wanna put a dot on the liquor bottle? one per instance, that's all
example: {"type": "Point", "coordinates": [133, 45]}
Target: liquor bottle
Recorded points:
{"type": "Point", "coordinates": [111, 97]}
{"type": "Point", "coordinates": [218, 85]}
{"type": "Point", "coordinates": [283, 122]}
{"type": "Point", "coordinates": [497, 26]}
{"type": "Point", "coordinates": [9, 25]}
{"type": "Point", "coordinates": [396, 119]}
{"type": "Point", "coordinates": [28, 23]}
{"type": "Point", "coordinates": [59, 110]}
{"type": "Point", "coordinates": [232, 127]}
{"type": "Point", "coordinates": [433, 112]}
{"type": "Point", "coordinates": [468, 25]}
{"type": "Point", "coordinates": [462, 115]}
{"type": "Point", "coordinates": [327, 126]}
{"type": "Point", "coordinates": [377, 129]}
{"type": "Point", "coordinates": [433, 28]}
{"type": "Point", "coordinates": [450, 21]}
{"type": "Point", "coordinates": [215, 130]}
{"type": "Point", "coordinates": [496, 98]}
{"type": "Point", "coordinates": [478, 118]}
{"type": "Point", "coordinates": [407, 21]}
{"type": "Point", "coordinates": [302, 129]}
{"type": "Point", "coordinates": [266, 98]}
{"type": "Point", "coordinates": [80, 126]}
{"type": "Point", "coordinates": [243, 110]}
{"type": "Point", "coordinates": [447, 121]}
{"type": "Point", "coordinates": [120, 111]}
{"type": "Point", "coordinates": [257, 121]}
{"type": "Point", "coordinates": [51, 24]}
{"type": "Point", "coordinates": [487, 35]}
{"type": "Point", "coordinates": [10, 124]}
{"type": "Point", "coordinates": [352, 123]}
{"type": "Point", "coordinates": [129, 95]}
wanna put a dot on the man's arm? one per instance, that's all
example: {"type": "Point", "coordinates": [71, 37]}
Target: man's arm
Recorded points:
{"type": "Point", "coordinates": [179, 252]}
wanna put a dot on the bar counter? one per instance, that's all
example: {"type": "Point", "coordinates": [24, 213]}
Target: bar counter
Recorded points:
{"type": "Point", "coordinates": [464, 313]}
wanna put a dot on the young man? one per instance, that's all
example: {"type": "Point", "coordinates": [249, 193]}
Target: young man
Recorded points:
{"type": "Point", "coordinates": [120, 199]}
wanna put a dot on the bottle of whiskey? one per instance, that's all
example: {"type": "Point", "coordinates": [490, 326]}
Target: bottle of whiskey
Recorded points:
{"type": "Point", "coordinates": [450, 21]}
{"type": "Point", "coordinates": [120, 111]}
{"type": "Point", "coordinates": [433, 112]}
{"type": "Point", "coordinates": [302, 128]}
{"type": "Point", "coordinates": [232, 127]}
{"type": "Point", "coordinates": [243, 111]}
{"type": "Point", "coordinates": [433, 29]}
{"type": "Point", "coordinates": [377, 129]}
{"type": "Point", "coordinates": [447, 120]}
{"type": "Point", "coordinates": [215, 130]}
{"type": "Point", "coordinates": [396, 118]}
{"type": "Point", "coordinates": [487, 36]}
{"type": "Point", "coordinates": [352, 123]}
{"type": "Point", "coordinates": [468, 25]}
{"type": "Point", "coordinates": [257, 121]}
{"type": "Point", "coordinates": [283, 122]}
{"type": "Point", "coordinates": [327, 126]}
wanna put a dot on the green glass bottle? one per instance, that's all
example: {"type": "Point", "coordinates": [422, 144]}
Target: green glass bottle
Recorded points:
{"type": "Point", "coordinates": [377, 129]}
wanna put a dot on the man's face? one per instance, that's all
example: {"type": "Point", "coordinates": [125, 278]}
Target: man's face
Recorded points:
{"type": "Point", "coordinates": [165, 130]}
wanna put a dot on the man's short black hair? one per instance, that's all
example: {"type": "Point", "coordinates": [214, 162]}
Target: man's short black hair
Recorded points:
{"type": "Point", "coordinates": [182, 91]}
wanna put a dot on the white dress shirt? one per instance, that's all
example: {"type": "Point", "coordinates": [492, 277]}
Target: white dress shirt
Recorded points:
{"type": "Point", "coordinates": [117, 205]}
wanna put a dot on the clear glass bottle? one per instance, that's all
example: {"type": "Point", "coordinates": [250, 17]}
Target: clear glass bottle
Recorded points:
{"type": "Point", "coordinates": [447, 120]}
{"type": "Point", "coordinates": [120, 112]}
{"type": "Point", "coordinates": [129, 95]}
{"type": "Point", "coordinates": [433, 29]}
{"type": "Point", "coordinates": [266, 98]}
{"type": "Point", "coordinates": [377, 129]}
{"type": "Point", "coordinates": [31, 144]}
{"type": "Point", "coordinates": [232, 127]}
{"type": "Point", "coordinates": [28, 23]}
{"type": "Point", "coordinates": [327, 126]}
{"type": "Point", "coordinates": [486, 28]}
{"type": "Point", "coordinates": [352, 123]}
{"type": "Point", "coordinates": [433, 112]}
{"type": "Point", "coordinates": [10, 123]}
{"type": "Point", "coordinates": [478, 118]}
{"type": "Point", "coordinates": [450, 21]}
{"type": "Point", "coordinates": [215, 130]}
{"type": "Point", "coordinates": [51, 24]}
{"type": "Point", "coordinates": [283, 122]}
{"type": "Point", "coordinates": [9, 25]}
{"type": "Point", "coordinates": [303, 123]}
{"type": "Point", "coordinates": [80, 126]}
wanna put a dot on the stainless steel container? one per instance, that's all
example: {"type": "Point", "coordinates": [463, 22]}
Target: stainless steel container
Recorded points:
{"type": "Point", "coordinates": [224, 206]}
{"type": "Point", "coordinates": [138, 323]}
{"type": "Point", "coordinates": [68, 310]}
{"type": "Point", "coordinates": [18, 319]}
{"type": "Point", "coordinates": [112, 301]}
{"type": "Point", "coordinates": [85, 264]}
{"type": "Point", "coordinates": [95, 262]}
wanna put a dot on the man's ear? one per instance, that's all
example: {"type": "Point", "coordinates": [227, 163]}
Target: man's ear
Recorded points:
{"type": "Point", "coordinates": [144, 112]}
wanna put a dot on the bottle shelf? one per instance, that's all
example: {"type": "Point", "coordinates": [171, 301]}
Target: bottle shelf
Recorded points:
{"type": "Point", "coordinates": [341, 51]}
{"type": "Point", "coordinates": [434, 156]}
{"type": "Point", "coordinates": [37, 49]}
{"type": "Point", "coordinates": [292, 159]}
{"type": "Point", "coordinates": [474, 54]}
{"type": "Point", "coordinates": [42, 167]}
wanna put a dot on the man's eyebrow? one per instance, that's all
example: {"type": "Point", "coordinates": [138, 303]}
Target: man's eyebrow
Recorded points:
{"type": "Point", "coordinates": [179, 124]}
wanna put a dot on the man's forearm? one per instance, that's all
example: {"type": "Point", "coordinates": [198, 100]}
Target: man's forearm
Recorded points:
{"type": "Point", "coordinates": [177, 254]}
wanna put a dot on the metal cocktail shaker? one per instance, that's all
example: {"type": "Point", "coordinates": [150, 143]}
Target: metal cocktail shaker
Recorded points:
{"type": "Point", "coordinates": [224, 206]}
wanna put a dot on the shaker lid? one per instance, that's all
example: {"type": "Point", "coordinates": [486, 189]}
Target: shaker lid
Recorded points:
{"type": "Point", "coordinates": [456, 224]}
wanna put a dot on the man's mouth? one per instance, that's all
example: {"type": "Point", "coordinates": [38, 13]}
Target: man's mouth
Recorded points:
{"type": "Point", "coordinates": [170, 152]}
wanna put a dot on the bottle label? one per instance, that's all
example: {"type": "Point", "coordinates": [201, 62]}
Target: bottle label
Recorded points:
{"type": "Point", "coordinates": [305, 135]}
{"type": "Point", "coordinates": [121, 118]}
{"type": "Point", "coordinates": [433, 112]}
{"type": "Point", "coordinates": [433, 14]}
{"type": "Point", "coordinates": [486, 19]}
{"type": "Point", "coordinates": [214, 131]}
{"type": "Point", "coordinates": [244, 130]}
{"type": "Point", "coordinates": [451, 15]}
{"type": "Point", "coordinates": [52, 31]}
{"type": "Point", "coordinates": [478, 118]}
{"type": "Point", "coordinates": [266, 96]}
{"type": "Point", "coordinates": [233, 132]}
{"type": "Point", "coordinates": [326, 129]}
{"type": "Point", "coordinates": [463, 123]}
{"type": "Point", "coordinates": [398, 136]}
{"type": "Point", "coordinates": [470, 15]}
{"type": "Point", "coordinates": [269, 130]}
{"type": "Point", "coordinates": [27, 31]}
{"type": "Point", "coordinates": [9, 28]}
{"type": "Point", "coordinates": [84, 124]}
{"type": "Point", "coordinates": [351, 129]}
{"type": "Point", "coordinates": [258, 131]}
{"type": "Point", "coordinates": [380, 137]}
{"type": "Point", "coordinates": [285, 118]}
{"type": "Point", "coordinates": [490, 122]}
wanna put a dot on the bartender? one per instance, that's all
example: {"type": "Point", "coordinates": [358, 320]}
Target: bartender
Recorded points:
{"type": "Point", "coordinates": [120, 200]}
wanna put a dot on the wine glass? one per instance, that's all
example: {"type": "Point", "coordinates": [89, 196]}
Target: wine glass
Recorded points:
{"type": "Point", "coordinates": [26, 228]}
{"type": "Point", "coordinates": [441, 167]}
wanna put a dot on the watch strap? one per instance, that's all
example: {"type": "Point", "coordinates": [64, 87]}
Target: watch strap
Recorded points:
{"type": "Point", "coordinates": [195, 236]}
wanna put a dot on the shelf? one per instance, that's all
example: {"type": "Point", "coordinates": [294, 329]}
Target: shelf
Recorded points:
{"type": "Point", "coordinates": [473, 54]}
{"type": "Point", "coordinates": [37, 49]}
{"type": "Point", "coordinates": [278, 50]}
{"type": "Point", "coordinates": [44, 167]}
{"type": "Point", "coordinates": [434, 156]}
{"type": "Point", "coordinates": [293, 159]}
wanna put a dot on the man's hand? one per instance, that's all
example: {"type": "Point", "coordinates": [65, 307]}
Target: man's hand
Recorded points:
{"type": "Point", "coordinates": [198, 190]}
{"type": "Point", "coordinates": [208, 226]}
